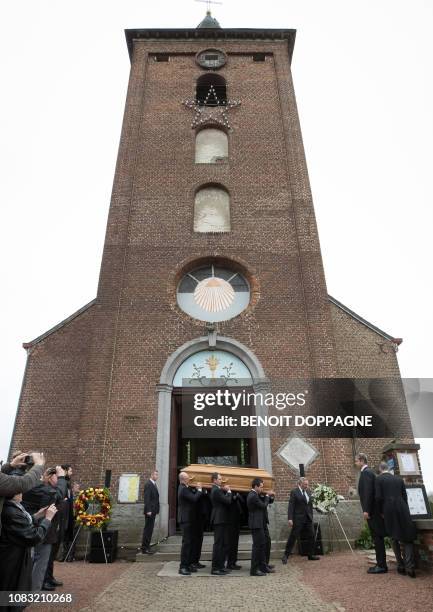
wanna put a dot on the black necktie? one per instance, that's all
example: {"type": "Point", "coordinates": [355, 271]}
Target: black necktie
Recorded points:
{"type": "Point", "coordinates": [305, 496]}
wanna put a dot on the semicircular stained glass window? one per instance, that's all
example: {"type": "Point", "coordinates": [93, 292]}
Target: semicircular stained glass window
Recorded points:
{"type": "Point", "coordinates": [213, 294]}
{"type": "Point", "coordinates": [212, 368]}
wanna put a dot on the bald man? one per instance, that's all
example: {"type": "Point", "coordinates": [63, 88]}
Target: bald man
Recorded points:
{"type": "Point", "coordinates": [187, 499]}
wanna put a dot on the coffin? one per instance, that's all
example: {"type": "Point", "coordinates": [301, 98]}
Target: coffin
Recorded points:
{"type": "Point", "coordinates": [239, 479]}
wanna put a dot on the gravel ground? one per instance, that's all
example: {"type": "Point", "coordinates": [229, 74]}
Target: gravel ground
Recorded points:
{"type": "Point", "coordinates": [84, 580]}
{"type": "Point", "coordinates": [338, 582]}
{"type": "Point", "coordinates": [140, 589]}
{"type": "Point", "coordinates": [343, 578]}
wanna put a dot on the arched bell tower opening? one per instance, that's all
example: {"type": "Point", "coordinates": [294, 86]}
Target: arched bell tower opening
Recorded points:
{"type": "Point", "coordinates": [188, 370]}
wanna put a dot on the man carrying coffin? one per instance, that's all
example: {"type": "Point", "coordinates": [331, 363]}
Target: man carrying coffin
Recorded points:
{"type": "Point", "coordinates": [202, 513]}
{"type": "Point", "coordinates": [221, 498]}
{"type": "Point", "coordinates": [257, 509]}
{"type": "Point", "coordinates": [233, 529]}
{"type": "Point", "coordinates": [187, 499]}
{"type": "Point", "coordinates": [366, 491]}
{"type": "Point", "coordinates": [270, 569]}
{"type": "Point", "coordinates": [300, 515]}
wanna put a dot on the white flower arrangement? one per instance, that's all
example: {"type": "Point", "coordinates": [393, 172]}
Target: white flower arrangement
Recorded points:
{"type": "Point", "coordinates": [325, 499]}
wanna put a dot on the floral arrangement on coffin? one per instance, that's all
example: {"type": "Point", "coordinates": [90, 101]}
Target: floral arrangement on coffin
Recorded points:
{"type": "Point", "coordinates": [325, 499]}
{"type": "Point", "coordinates": [89, 498]}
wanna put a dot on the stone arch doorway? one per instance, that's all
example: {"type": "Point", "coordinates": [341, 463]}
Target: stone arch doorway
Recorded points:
{"type": "Point", "coordinates": [167, 415]}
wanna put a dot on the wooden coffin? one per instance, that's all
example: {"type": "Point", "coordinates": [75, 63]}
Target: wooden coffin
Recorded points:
{"type": "Point", "coordinates": [239, 479]}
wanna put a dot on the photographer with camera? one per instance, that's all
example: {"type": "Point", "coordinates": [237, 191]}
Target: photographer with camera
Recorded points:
{"type": "Point", "coordinates": [12, 482]}
{"type": "Point", "coordinates": [20, 533]}
{"type": "Point", "coordinates": [52, 490]}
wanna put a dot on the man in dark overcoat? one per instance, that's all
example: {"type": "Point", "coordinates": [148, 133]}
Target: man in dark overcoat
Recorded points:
{"type": "Point", "coordinates": [270, 569]}
{"type": "Point", "coordinates": [300, 517]}
{"type": "Point", "coordinates": [20, 533]}
{"type": "Point", "coordinates": [151, 510]}
{"type": "Point", "coordinates": [187, 499]}
{"type": "Point", "coordinates": [221, 498]}
{"type": "Point", "coordinates": [367, 497]}
{"type": "Point", "coordinates": [257, 506]}
{"type": "Point", "coordinates": [52, 490]}
{"type": "Point", "coordinates": [233, 530]}
{"type": "Point", "coordinates": [391, 498]}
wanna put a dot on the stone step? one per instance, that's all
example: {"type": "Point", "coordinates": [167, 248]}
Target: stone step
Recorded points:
{"type": "Point", "coordinates": [175, 556]}
{"type": "Point", "coordinates": [205, 557]}
{"type": "Point", "coordinates": [208, 551]}
{"type": "Point", "coordinates": [174, 543]}
{"type": "Point", "coordinates": [169, 550]}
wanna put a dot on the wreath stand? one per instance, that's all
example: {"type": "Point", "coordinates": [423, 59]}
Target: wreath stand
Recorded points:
{"type": "Point", "coordinates": [333, 511]}
{"type": "Point", "coordinates": [87, 542]}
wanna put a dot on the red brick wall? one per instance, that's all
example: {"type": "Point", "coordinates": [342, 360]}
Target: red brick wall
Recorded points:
{"type": "Point", "coordinates": [53, 392]}
{"type": "Point", "coordinates": [425, 547]}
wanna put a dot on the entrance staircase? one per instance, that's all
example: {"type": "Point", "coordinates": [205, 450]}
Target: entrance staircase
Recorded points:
{"type": "Point", "coordinates": [169, 550]}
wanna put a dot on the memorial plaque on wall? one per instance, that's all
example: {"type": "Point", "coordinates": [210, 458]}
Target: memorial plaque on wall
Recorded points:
{"type": "Point", "coordinates": [417, 500]}
{"type": "Point", "coordinates": [128, 488]}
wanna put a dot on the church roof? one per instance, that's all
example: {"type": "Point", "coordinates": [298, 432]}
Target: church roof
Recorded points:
{"type": "Point", "coordinates": [63, 323]}
{"type": "Point", "coordinates": [209, 22]}
{"type": "Point", "coordinates": [210, 33]}
{"type": "Point", "coordinates": [364, 321]}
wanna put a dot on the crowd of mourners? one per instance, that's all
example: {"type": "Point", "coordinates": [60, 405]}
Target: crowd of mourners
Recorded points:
{"type": "Point", "coordinates": [37, 522]}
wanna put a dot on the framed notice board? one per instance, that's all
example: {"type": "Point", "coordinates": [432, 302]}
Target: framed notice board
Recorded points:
{"type": "Point", "coordinates": [128, 488]}
{"type": "Point", "coordinates": [417, 500]}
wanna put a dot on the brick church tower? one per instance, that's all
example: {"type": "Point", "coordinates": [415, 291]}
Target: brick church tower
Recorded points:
{"type": "Point", "coordinates": [211, 261]}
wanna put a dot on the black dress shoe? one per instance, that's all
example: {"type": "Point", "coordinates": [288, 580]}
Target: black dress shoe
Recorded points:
{"type": "Point", "coordinates": [226, 570]}
{"type": "Point", "coordinates": [192, 568]}
{"type": "Point", "coordinates": [48, 587]}
{"type": "Point", "coordinates": [401, 570]}
{"type": "Point", "coordinates": [411, 573]}
{"type": "Point", "coordinates": [377, 570]}
{"type": "Point", "coordinates": [271, 566]}
{"type": "Point", "coordinates": [217, 572]}
{"type": "Point", "coordinates": [199, 565]}
{"type": "Point", "coordinates": [234, 566]}
{"type": "Point", "coordinates": [55, 582]}
{"type": "Point", "coordinates": [269, 570]}
{"type": "Point", "coordinates": [257, 573]}
{"type": "Point", "coordinates": [148, 552]}
{"type": "Point", "coordinates": [284, 559]}
{"type": "Point", "coordinates": [184, 572]}
{"type": "Point", "coordinates": [313, 558]}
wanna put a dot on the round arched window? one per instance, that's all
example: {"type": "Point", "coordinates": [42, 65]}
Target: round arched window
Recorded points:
{"type": "Point", "coordinates": [213, 293]}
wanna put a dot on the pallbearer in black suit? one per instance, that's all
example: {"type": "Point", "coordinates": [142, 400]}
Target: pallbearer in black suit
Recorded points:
{"type": "Point", "coordinates": [221, 498]}
{"type": "Point", "coordinates": [256, 522]}
{"type": "Point", "coordinates": [366, 491]}
{"type": "Point", "coordinates": [201, 519]}
{"type": "Point", "coordinates": [187, 500]}
{"type": "Point", "coordinates": [300, 516]}
{"type": "Point", "coordinates": [391, 500]}
{"type": "Point", "coordinates": [151, 509]}
{"type": "Point", "coordinates": [233, 529]}
{"type": "Point", "coordinates": [270, 569]}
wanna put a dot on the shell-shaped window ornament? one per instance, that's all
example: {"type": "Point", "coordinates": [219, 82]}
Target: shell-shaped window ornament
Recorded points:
{"type": "Point", "coordinates": [213, 294]}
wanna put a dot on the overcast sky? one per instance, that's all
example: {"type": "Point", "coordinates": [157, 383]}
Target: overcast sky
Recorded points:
{"type": "Point", "coordinates": [363, 77]}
